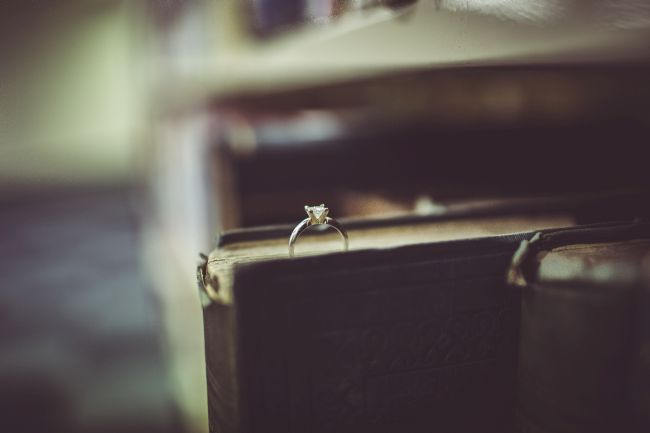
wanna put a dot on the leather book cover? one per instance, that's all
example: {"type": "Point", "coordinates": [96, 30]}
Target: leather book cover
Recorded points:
{"type": "Point", "coordinates": [415, 329]}
{"type": "Point", "coordinates": [402, 339]}
{"type": "Point", "coordinates": [584, 363]}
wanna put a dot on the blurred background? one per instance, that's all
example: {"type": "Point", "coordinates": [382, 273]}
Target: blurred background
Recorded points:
{"type": "Point", "coordinates": [133, 132]}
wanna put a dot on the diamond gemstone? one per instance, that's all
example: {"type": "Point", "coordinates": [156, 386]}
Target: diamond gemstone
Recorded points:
{"type": "Point", "coordinates": [317, 213]}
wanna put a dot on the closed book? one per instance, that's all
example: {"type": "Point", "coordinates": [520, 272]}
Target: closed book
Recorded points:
{"type": "Point", "coordinates": [411, 329]}
{"type": "Point", "coordinates": [584, 363]}
{"type": "Point", "coordinates": [414, 329]}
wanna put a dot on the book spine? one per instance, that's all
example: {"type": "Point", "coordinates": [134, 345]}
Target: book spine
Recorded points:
{"type": "Point", "coordinates": [221, 368]}
{"type": "Point", "coordinates": [583, 364]}
{"type": "Point", "coordinates": [575, 343]}
{"type": "Point", "coordinates": [640, 370]}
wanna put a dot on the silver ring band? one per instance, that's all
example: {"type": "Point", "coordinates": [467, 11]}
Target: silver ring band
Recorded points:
{"type": "Point", "coordinates": [317, 215]}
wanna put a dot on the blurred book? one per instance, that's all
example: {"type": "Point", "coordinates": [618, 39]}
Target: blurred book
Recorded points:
{"type": "Point", "coordinates": [585, 334]}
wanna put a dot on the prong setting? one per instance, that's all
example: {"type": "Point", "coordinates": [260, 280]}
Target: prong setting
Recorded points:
{"type": "Point", "coordinates": [317, 214]}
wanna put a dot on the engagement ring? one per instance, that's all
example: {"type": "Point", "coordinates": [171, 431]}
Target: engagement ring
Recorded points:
{"type": "Point", "coordinates": [317, 215]}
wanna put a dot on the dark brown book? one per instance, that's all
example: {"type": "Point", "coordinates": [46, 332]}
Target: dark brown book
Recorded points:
{"type": "Point", "coordinates": [413, 330]}
{"type": "Point", "coordinates": [584, 363]}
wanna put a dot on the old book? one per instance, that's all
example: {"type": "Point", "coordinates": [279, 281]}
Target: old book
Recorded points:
{"type": "Point", "coordinates": [413, 330]}
{"type": "Point", "coordinates": [584, 363]}
{"type": "Point", "coordinates": [413, 327]}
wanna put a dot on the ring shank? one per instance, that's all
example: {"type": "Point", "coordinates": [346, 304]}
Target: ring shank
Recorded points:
{"type": "Point", "coordinates": [305, 224]}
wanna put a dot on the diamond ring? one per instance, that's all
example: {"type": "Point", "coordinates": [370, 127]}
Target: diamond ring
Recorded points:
{"type": "Point", "coordinates": [317, 215]}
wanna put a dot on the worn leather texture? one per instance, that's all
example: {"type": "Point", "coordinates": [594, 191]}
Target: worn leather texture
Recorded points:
{"type": "Point", "coordinates": [407, 339]}
{"type": "Point", "coordinates": [583, 363]}
{"type": "Point", "coordinates": [430, 337]}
